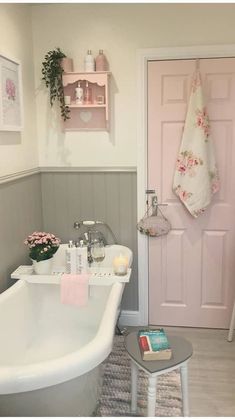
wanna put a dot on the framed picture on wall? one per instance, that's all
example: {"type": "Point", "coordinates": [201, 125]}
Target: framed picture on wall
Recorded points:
{"type": "Point", "coordinates": [11, 113]}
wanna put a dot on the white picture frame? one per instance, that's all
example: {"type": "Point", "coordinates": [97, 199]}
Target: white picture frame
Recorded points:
{"type": "Point", "coordinates": [11, 112]}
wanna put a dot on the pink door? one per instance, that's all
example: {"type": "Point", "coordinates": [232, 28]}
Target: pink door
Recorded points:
{"type": "Point", "coordinates": [192, 269]}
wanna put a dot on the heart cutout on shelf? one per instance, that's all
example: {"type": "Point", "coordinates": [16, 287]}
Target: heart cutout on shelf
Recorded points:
{"type": "Point", "coordinates": [85, 116]}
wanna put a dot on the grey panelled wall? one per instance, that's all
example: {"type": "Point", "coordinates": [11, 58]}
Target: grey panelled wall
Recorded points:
{"type": "Point", "coordinates": [104, 196]}
{"type": "Point", "coordinates": [20, 214]}
{"type": "Point", "coordinates": [53, 201]}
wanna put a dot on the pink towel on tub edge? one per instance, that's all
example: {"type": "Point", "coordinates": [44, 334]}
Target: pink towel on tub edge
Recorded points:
{"type": "Point", "coordinates": [74, 289]}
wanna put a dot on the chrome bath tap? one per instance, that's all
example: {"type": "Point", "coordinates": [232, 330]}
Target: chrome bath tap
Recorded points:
{"type": "Point", "coordinates": [91, 235]}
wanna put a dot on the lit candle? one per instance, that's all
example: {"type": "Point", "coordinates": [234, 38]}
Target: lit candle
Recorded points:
{"type": "Point", "coordinates": [120, 265]}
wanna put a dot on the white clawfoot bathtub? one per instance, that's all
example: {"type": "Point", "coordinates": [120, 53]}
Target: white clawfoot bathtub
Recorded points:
{"type": "Point", "coordinates": [50, 353]}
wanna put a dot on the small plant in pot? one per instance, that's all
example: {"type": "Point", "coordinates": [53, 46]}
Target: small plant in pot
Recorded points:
{"type": "Point", "coordinates": [42, 246]}
{"type": "Point", "coordinates": [52, 71]}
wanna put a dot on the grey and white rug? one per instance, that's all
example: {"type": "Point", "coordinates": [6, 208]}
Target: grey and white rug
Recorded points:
{"type": "Point", "coordinates": [115, 396]}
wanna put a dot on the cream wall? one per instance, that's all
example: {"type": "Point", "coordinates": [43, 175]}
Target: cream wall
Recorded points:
{"type": "Point", "coordinates": [18, 151]}
{"type": "Point", "coordinates": [119, 29]}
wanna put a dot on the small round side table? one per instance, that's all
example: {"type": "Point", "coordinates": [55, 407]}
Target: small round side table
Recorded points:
{"type": "Point", "coordinates": [181, 352]}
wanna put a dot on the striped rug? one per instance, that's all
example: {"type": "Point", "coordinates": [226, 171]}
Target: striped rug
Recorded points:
{"type": "Point", "coordinates": [115, 393]}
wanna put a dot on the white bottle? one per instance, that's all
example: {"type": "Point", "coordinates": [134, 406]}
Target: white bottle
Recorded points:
{"type": "Point", "coordinates": [89, 62]}
{"type": "Point", "coordinates": [82, 263]}
{"type": "Point", "coordinates": [71, 258]}
{"type": "Point", "coordinates": [79, 94]}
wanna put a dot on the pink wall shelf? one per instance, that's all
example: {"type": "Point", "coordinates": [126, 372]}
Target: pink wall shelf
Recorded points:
{"type": "Point", "coordinates": [88, 116]}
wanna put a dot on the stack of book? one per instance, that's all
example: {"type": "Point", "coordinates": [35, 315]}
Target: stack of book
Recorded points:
{"type": "Point", "coordinates": [154, 345]}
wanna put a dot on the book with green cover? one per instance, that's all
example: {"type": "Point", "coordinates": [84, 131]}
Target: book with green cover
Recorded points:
{"type": "Point", "coordinates": [154, 344]}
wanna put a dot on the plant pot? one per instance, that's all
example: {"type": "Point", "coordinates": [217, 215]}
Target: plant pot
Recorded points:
{"type": "Point", "coordinates": [44, 267]}
{"type": "Point", "coordinates": [67, 64]}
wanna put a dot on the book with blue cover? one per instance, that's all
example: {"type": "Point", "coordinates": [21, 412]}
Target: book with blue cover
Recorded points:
{"type": "Point", "coordinates": [154, 344]}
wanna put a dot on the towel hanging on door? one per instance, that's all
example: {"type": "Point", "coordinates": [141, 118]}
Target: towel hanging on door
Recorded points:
{"type": "Point", "coordinates": [196, 176]}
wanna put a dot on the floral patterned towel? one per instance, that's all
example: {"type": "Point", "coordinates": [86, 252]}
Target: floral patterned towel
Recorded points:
{"type": "Point", "coordinates": [196, 176]}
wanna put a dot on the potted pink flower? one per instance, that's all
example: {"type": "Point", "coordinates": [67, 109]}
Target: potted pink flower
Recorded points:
{"type": "Point", "coordinates": [42, 246]}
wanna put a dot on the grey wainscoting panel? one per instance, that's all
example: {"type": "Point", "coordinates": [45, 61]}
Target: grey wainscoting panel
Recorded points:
{"type": "Point", "coordinates": [104, 196]}
{"type": "Point", "coordinates": [20, 215]}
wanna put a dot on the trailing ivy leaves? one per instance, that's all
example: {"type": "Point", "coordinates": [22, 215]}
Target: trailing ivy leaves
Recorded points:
{"type": "Point", "coordinates": [52, 75]}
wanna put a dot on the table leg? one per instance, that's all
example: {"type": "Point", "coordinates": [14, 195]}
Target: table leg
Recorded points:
{"type": "Point", "coordinates": [152, 383]}
{"type": "Point", "coordinates": [134, 383]}
{"type": "Point", "coordinates": [184, 388]}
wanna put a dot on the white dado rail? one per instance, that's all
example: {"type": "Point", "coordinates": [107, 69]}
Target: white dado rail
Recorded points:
{"type": "Point", "coordinates": [18, 175]}
{"type": "Point", "coordinates": [62, 169]}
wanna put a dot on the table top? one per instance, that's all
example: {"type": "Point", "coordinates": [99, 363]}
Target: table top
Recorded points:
{"type": "Point", "coordinates": [181, 351]}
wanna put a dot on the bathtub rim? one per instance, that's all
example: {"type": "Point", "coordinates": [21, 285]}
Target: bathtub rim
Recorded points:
{"type": "Point", "coordinates": [22, 378]}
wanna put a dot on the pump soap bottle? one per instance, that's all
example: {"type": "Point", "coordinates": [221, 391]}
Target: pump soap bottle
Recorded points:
{"type": "Point", "coordinates": [89, 62]}
{"type": "Point", "coordinates": [79, 94]}
{"type": "Point", "coordinates": [71, 258]}
{"type": "Point", "coordinates": [82, 264]}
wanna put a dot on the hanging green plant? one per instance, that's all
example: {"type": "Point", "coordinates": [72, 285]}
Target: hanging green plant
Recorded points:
{"type": "Point", "coordinates": [52, 75]}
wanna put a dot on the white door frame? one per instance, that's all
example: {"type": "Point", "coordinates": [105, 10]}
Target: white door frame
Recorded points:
{"type": "Point", "coordinates": [143, 56]}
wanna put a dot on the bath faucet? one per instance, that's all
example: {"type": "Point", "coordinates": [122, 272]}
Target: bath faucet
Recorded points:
{"type": "Point", "coordinates": [91, 235]}
{"type": "Point", "coordinates": [88, 242]}
{"type": "Point", "coordinates": [90, 224]}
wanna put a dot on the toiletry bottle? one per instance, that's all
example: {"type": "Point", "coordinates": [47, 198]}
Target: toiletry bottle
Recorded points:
{"type": "Point", "coordinates": [79, 94]}
{"type": "Point", "coordinates": [71, 258]}
{"type": "Point", "coordinates": [82, 263]}
{"type": "Point", "coordinates": [87, 94]}
{"type": "Point", "coordinates": [101, 62]}
{"type": "Point", "coordinates": [68, 256]}
{"type": "Point", "coordinates": [89, 62]}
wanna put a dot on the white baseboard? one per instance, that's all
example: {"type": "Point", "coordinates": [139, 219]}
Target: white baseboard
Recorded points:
{"type": "Point", "coordinates": [130, 318]}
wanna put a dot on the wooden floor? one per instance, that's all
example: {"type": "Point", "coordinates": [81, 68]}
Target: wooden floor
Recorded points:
{"type": "Point", "coordinates": [211, 371]}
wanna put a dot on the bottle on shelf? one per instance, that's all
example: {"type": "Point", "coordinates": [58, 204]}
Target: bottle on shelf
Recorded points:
{"type": "Point", "coordinates": [71, 258]}
{"type": "Point", "coordinates": [87, 94]}
{"type": "Point", "coordinates": [79, 94]}
{"type": "Point", "coordinates": [82, 263]}
{"type": "Point", "coordinates": [89, 62]}
{"type": "Point", "coordinates": [101, 62]}
{"type": "Point", "coordinates": [67, 64]}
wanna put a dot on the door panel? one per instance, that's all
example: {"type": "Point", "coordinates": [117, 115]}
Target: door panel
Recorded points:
{"type": "Point", "coordinates": [192, 269]}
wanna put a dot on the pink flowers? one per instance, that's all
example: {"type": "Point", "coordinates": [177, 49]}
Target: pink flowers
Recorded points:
{"type": "Point", "coordinates": [202, 121]}
{"type": "Point", "coordinates": [10, 89]}
{"type": "Point", "coordinates": [215, 181]}
{"type": "Point", "coordinates": [42, 245]}
{"type": "Point", "coordinates": [183, 194]}
{"type": "Point", "coordinates": [187, 162]}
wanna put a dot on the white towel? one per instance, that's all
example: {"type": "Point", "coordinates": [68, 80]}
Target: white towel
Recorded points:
{"type": "Point", "coordinates": [196, 176]}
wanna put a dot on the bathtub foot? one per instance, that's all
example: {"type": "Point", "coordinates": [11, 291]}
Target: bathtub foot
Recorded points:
{"type": "Point", "coordinates": [119, 331]}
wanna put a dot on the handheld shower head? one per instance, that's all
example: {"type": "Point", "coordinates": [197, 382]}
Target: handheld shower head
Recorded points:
{"type": "Point", "coordinates": [91, 223]}
{"type": "Point", "coordinates": [78, 224]}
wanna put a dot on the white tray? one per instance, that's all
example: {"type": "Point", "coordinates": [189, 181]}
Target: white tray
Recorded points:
{"type": "Point", "coordinates": [98, 276]}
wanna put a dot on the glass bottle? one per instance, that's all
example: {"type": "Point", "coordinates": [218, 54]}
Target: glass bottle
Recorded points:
{"type": "Point", "coordinates": [101, 62]}
{"type": "Point", "coordinates": [87, 94]}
